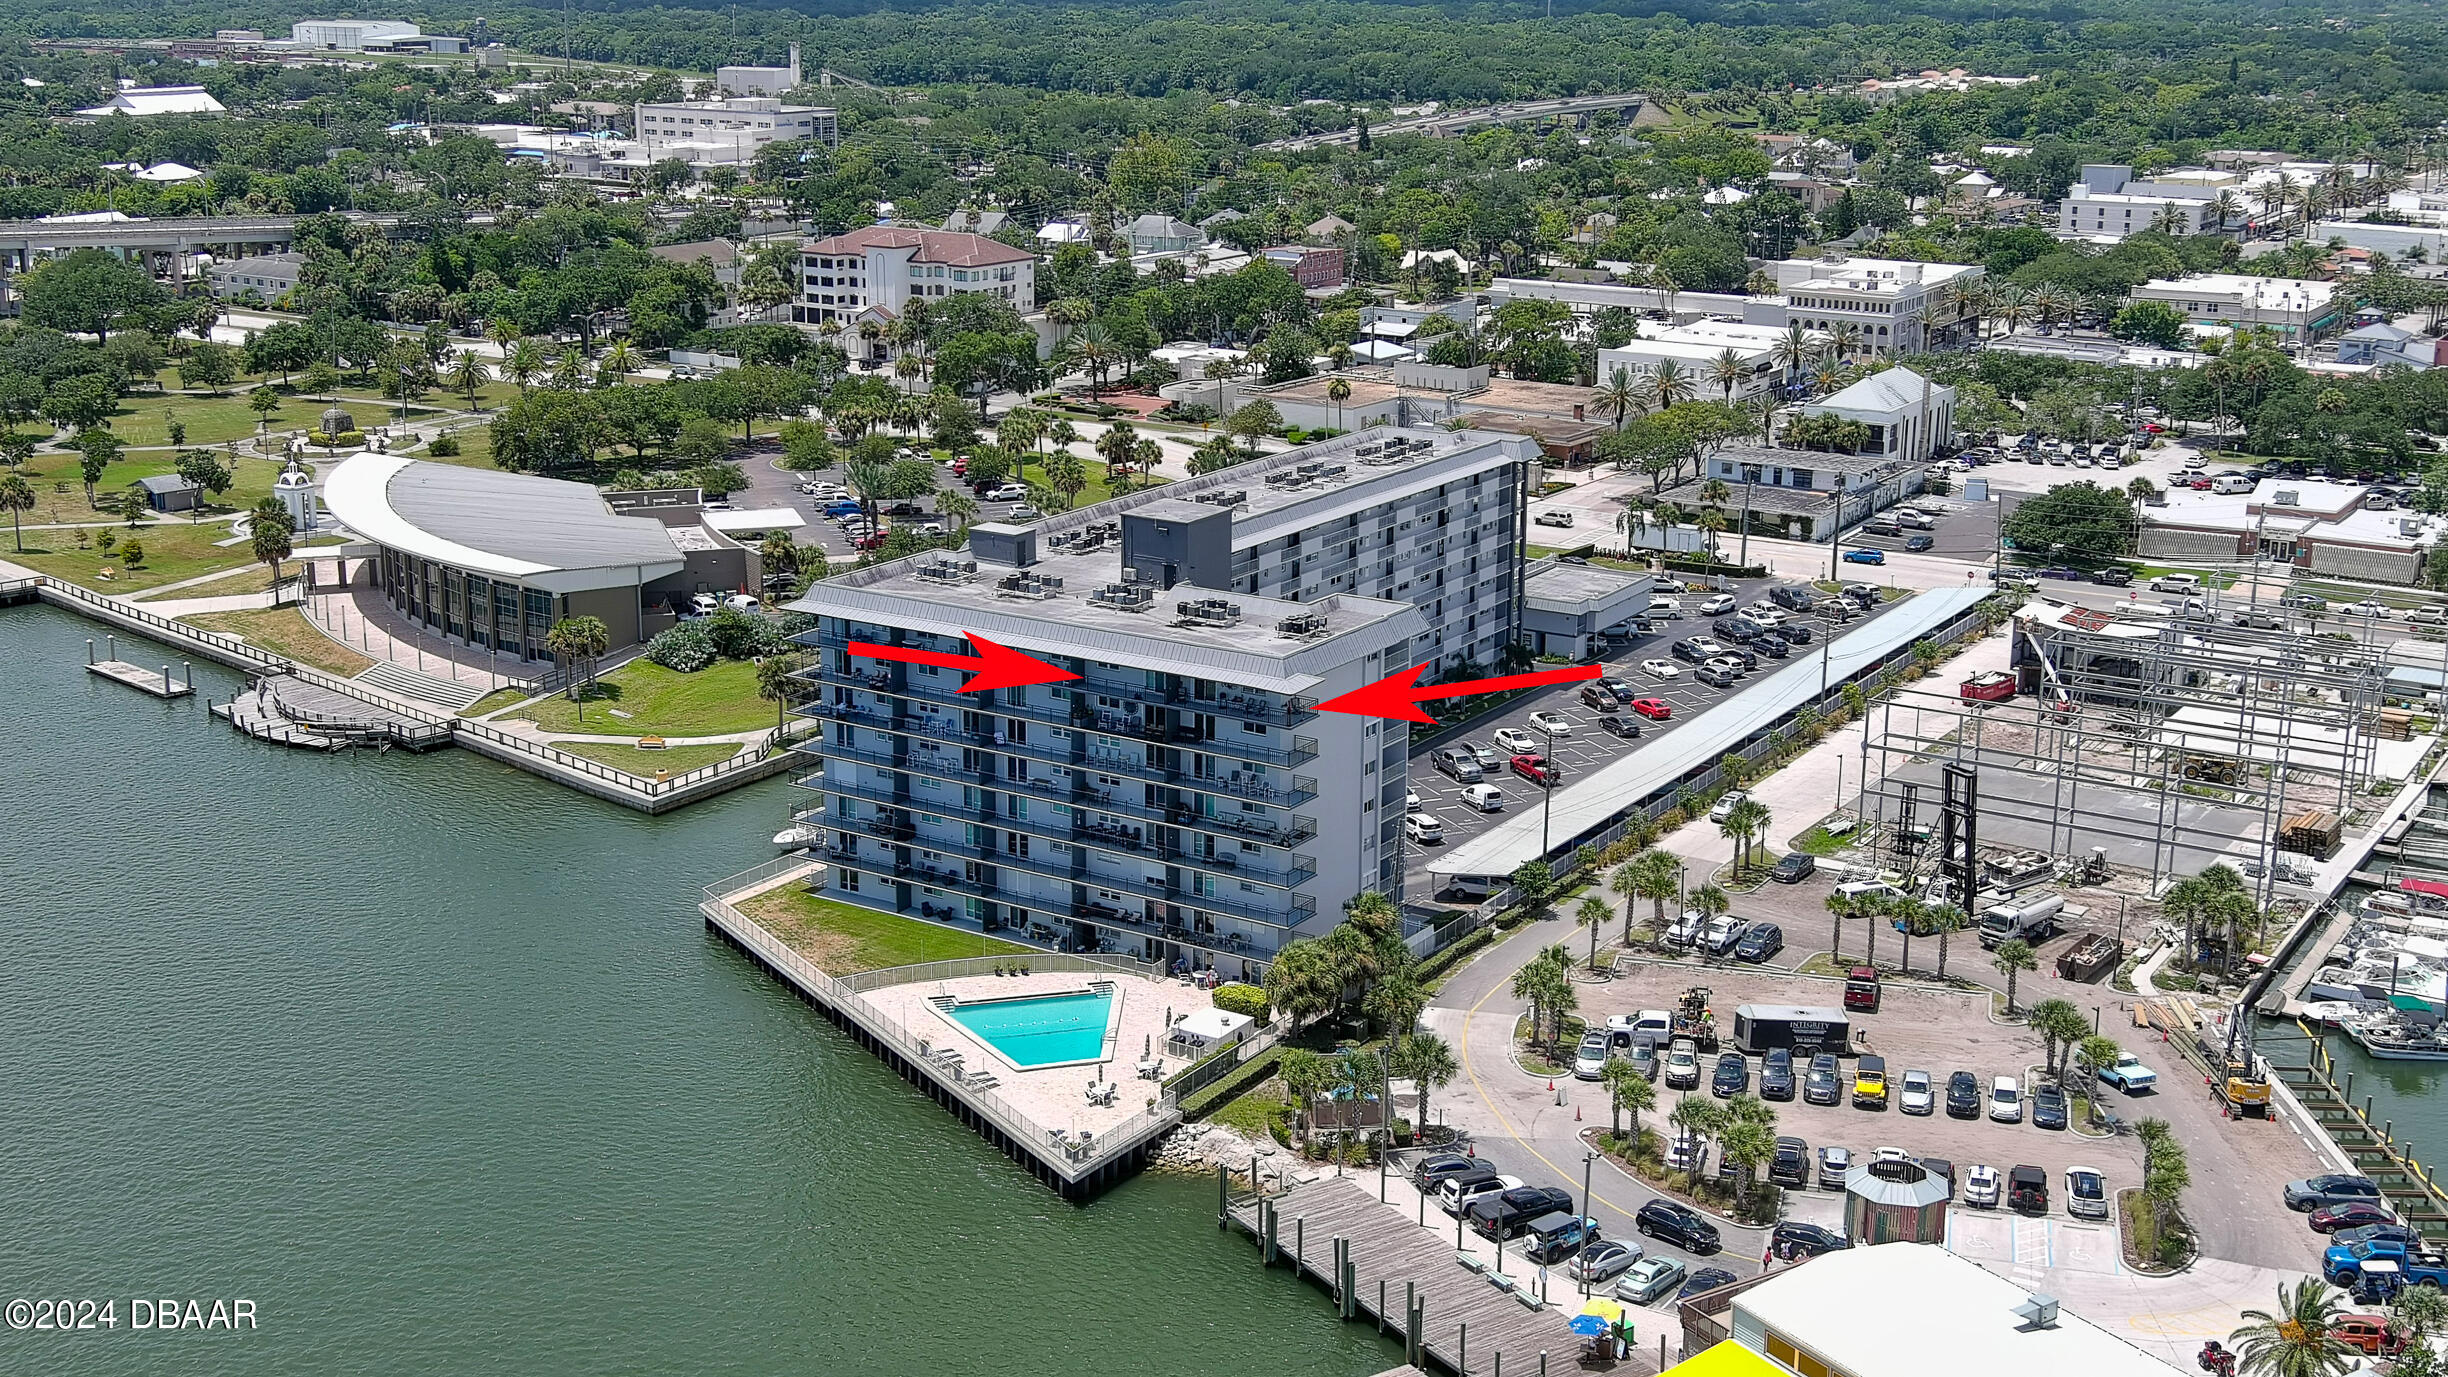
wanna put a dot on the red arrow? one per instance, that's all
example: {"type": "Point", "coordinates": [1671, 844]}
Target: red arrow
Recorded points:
{"type": "Point", "coordinates": [1395, 695]}
{"type": "Point", "coordinates": [993, 666]}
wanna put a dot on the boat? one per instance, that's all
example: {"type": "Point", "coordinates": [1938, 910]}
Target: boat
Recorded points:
{"type": "Point", "coordinates": [2337, 1013]}
{"type": "Point", "coordinates": [2390, 1038]}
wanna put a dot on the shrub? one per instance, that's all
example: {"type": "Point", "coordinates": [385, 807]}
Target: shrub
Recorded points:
{"type": "Point", "coordinates": [686, 648]}
{"type": "Point", "coordinates": [1236, 998]}
{"type": "Point", "coordinates": [443, 447]}
{"type": "Point", "coordinates": [132, 552]}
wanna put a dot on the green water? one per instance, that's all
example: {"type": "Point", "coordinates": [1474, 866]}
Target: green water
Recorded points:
{"type": "Point", "coordinates": [436, 1064]}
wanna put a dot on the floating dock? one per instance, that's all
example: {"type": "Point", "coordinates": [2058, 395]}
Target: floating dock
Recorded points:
{"type": "Point", "coordinates": [294, 713]}
{"type": "Point", "coordinates": [157, 682]}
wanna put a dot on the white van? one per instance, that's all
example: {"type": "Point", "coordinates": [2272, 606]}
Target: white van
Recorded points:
{"type": "Point", "coordinates": [1665, 607]}
{"type": "Point", "coordinates": [2176, 583]}
{"type": "Point", "coordinates": [1486, 798]}
{"type": "Point", "coordinates": [2231, 483]}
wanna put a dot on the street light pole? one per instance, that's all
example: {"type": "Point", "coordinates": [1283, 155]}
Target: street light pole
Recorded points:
{"type": "Point", "coordinates": [1547, 803]}
{"type": "Point", "coordinates": [1587, 1157]}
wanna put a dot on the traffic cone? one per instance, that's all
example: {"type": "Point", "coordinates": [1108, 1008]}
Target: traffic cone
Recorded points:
{"type": "Point", "coordinates": [1551, 1084]}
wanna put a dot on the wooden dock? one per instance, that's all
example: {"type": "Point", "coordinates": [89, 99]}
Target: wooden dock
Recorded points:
{"type": "Point", "coordinates": [295, 713]}
{"type": "Point", "coordinates": [157, 682]}
{"type": "Point", "coordinates": [1410, 1282]}
{"type": "Point", "coordinates": [2407, 1184]}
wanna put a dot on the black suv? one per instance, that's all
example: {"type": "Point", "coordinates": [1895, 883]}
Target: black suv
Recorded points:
{"type": "Point", "coordinates": [1798, 633]}
{"type": "Point", "coordinates": [1772, 646]}
{"type": "Point", "coordinates": [1677, 1224]}
{"type": "Point", "coordinates": [1777, 1074]}
{"type": "Point", "coordinates": [1963, 1096]}
{"type": "Point", "coordinates": [1794, 1240]}
{"type": "Point", "coordinates": [1821, 1084]}
{"type": "Point", "coordinates": [1792, 598]}
{"type": "Point", "coordinates": [1689, 649]}
{"type": "Point", "coordinates": [1503, 1215]}
{"type": "Point", "coordinates": [1429, 1171]}
{"type": "Point", "coordinates": [1732, 1077]}
{"type": "Point", "coordinates": [1791, 1165]}
{"type": "Point", "coordinates": [1737, 630]}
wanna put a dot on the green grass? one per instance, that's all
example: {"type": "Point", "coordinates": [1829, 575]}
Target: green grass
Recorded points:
{"type": "Point", "coordinates": [1257, 1113]}
{"type": "Point", "coordinates": [255, 578]}
{"type": "Point", "coordinates": [645, 764]}
{"type": "Point", "coordinates": [843, 939]}
{"type": "Point", "coordinates": [494, 702]}
{"type": "Point", "coordinates": [1817, 842]}
{"type": "Point", "coordinates": [173, 550]}
{"type": "Point", "coordinates": [59, 485]}
{"type": "Point", "coordinates": [285, 632]}
{"type": "Point", "coordinates": [718, 699]}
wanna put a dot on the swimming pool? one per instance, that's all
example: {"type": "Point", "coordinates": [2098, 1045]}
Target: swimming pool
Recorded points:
{"type": "Point", "coordinates": [1035, 1031]}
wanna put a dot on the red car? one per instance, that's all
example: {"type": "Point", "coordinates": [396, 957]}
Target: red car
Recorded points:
{"type": "Point", "coordinates": [2370, 1333]}
{"type": "Point", "coordinates": [2349, 1214]}
{"type": "Point", "coordinates": [873, 542]}
{"type": "Point", "coordinates": [1536, 769]}
{"type": "Point", "coordinates": [1656, 709]}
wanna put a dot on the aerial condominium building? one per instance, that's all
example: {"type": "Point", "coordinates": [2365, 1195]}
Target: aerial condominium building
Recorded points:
{"type": "Point", "coordinates": [1184, 798]}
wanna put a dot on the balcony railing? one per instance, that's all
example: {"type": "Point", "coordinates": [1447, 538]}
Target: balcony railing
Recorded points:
{"type": "Point", "coordinates": [1276, 710]}
{"type": "Point", "coordinates": [1081, 792]}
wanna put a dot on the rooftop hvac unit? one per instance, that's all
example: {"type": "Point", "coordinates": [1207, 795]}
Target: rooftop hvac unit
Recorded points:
{"type": "Point", "coordinates": [946, 570]}
{"type": "Point", "coordinates": [1366, 450]}
{"type": "Point", "coordinates": [1027, 585]}
{"type": "Point", "coordinates": [1124, 597]}
{"type": "Point", "coordinates": [2410, 527]}
{"type": "Point", "coordinates": [1303, 624]}
{"type": "Point", "coordinates": [1209, 612]}
{"type": "Point", "coordinates": [2286, 497]}
{"type": "Point", "coordinates": [1230, 497]}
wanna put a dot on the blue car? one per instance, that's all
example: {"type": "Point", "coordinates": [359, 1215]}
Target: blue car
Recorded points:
{"type": "Point", "coordinates": [844, 508]}
{"type": "Point", "coordinates": [1865, 556]}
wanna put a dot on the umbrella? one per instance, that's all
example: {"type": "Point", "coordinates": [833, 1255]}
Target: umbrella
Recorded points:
{"type": "Point", "coordinates": [1597, 1316]}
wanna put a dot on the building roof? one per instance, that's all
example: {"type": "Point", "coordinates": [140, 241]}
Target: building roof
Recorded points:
{"type": "Point", "coordinates": [166, 483]}
{"type": "Point", "coordinates": [756, 519]}
{"type": "Point", "coordinates": [933, 246]}
{"type": "Point", "coordinates": [1896, 389]}
{"type": "Point", "coordinates": [1331, 224]}
{"type": "Point", "coordinates": [1570, 589]}
{"type": "Point", "coordinates": [1848, 1308]}
{"type": "Point", "coordinates": [2278, 293]}
{"type": "Point", "coordinates": [168, 172]}
{"type": "Point", "coordinates": [1726, 1359]}
{"type": "Point", "coordinates": [160, 100]}
{"type": "Point", "coordinates": [722, 253]}
{"type": "Point", "coordinates": [540, 531]}
{"type": "Point", "coordinates": [1155, 226]}
{"type": "Point", "coordinates": [1654, 763]}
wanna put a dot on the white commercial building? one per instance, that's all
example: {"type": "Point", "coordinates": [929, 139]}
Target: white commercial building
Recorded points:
{"type": "Point", "coordinates": [2291, 306]}
{"type": "Point", "coordinates": [1696, 350]}
{"type": "Point", "coordinates": [140, 101]}
{"type": "Point", "coordinates": [715, 133]}
{"type": "Point", "coordinates": [871, 273]}
{"type": "Point", "coordinates": [1908, 415]}
{"type": "Point", "coordinates": [1893, 307]}
{"type": "Point", "coordinates": [349, 35]}
{"type": "Point", "coordinates": [759, 81]}
{"type": "Point", "coordinates": [1184, 798]}
{"type": "Point", "coordinates": [1907, 1309]}
{"type": "Point", "coordinates": [2110, 203]}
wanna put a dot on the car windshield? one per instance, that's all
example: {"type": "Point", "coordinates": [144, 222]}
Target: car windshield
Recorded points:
{"type": "Point", "coordinates": [2086, 1185]}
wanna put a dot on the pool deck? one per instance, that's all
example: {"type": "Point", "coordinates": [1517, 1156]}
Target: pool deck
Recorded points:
{"type": "Point", "coordinates": [1042, 1119]}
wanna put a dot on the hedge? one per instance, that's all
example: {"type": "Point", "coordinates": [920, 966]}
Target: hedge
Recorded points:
{"type": "Point", "coordinates": [1237, 998]}
{"type": "Point", "coordinates": [1249, 1076]}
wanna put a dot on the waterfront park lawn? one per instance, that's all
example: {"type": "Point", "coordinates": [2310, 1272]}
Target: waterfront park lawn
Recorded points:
{"type": "Point", "coordinates": [644, 763]}
{"type": "Point", "coordinates": [844, 939]}
{"type": "Point", "coordinates": [642, 698]}
{"type": "Point", "coordinates": [173, 550]}
{"type": "Point", "coordinates": [284, 632]}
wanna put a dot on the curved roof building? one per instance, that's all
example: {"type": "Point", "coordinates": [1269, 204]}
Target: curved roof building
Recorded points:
{"type": "Point", "coordinates": [496, 558]}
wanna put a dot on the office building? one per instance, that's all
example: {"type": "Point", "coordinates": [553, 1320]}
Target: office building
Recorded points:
{"type": "Point", "coordinates": [270, 276]}
{"type": "Point", "coordinates": [870, 273]}
{"type": "Point", "coordinates": [715, 133]}
{"type": "Point", "coordinates": [1696, 349]}
{"type": "Point", "coordinates": [1893, 307]}
{"type": "Point", "coordinates": [141, 101]}
{"type": "Point", "coordinates": [2110, 203]}
{"type": "Point", "coordinates": [1184, 799]}
{"type": "Point", "coordinates": [1909, 417]}
{"type": "Point", "coordinates": [2291, 307]}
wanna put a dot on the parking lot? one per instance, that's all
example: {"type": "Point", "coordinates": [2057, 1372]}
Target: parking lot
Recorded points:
{"type": "Point", "coordinates": [1589, 746]}
{"type": "Point", "coordinates": [772, 486]}
{"type": "Point", "coordinates": [1914, 1029]}
{"type": "Point", "coordinates": [1965, 530]}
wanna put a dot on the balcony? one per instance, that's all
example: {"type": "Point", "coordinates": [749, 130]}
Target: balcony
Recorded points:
{"type": "Point", "coordinates": [1271, 830]}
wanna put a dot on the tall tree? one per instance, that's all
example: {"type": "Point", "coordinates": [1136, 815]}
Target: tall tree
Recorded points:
{"type": "Point", "coordinates": [269, 532]}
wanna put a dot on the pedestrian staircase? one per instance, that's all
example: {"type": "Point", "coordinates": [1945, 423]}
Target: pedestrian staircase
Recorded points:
{"type": "Point", "coordinates": [425, 688]}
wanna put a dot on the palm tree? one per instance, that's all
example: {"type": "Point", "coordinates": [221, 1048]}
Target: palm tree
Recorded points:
{"type": "Point", "coordinates": [1745, 1142]}
{"type": "Point", "coordinates": [1727, 370]}
{"type": "Point", "coordinates": [269, 527]}
{"type": "Point", "coordinates": [1942, 920]}
{"type": "Point", "coordinates": [1304, 981]}
{"type": "Point", "coordinates": [1427, 1060]}
{"type": "Point", "coordinates": [2014, 956]}
{"type": "Point", "coordinates": [523, 364]}
{"type": "Point", "coordinates": [2298, 1340]}
{"type": "Point", "coordinates": [1908, 915]}
{"type": "Point", "coordinates": [579, 641]}
{"type": "Point", "coordinates": [2051, 303]}
{"type": "Point", "coordinates": [1795, 351]}
{"type": "Point", "coordinates": [617, 364]}
{"type": "Point", "coordinates": [1839, 907]}
{"type": "Point", "coordinates": [504, 332]}
{"type": "Point", "coordinates": [1669, 385]}
{"type": "Point", "coordinates": [1338, 392]}
{"type": "Point", "coordinates": [1710, 902]}
{"type": "Point", "coordinates": [1843, 341]}
{"type": "Point", "coordinates": [1697, 1119]}
{"type": "Point", "coordinates": [1749, 821]}
{"type": "Point", "coordinates": [17, 495]}
{"type": "Point", "coordinates": [1653, 875]}
{"type": "Point", "coordinates": [1628, 1089]}
{"type": "Point", "coordinates": [468, 373]}
{"type": "Point", "coordinates": [1619, 393]}
{"type": "Point", "coordinates": [2225, 206]}
{"type": "Point", "coordinates": [959, 506]}
{"type": "Point", "coordinates": [2011, 308]}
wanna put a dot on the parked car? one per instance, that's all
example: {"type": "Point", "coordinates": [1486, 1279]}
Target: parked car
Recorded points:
{"type": "Point", "coordinates": [2027, 1189]}
{"type": "Point", "coordinates": [1723, 935]}
{"type": "Point", "coordinates": [1725, 805]}
{"type": "Point", "coordinates": [1554, 724]}
{"type": "Point", "coordinates": [1648, 1279]}
{"type": "Point", "coordinates": [1777, 1074]}
{"type": "Point", "coordinates": [1794, 1240]}
{"type": "Point", "coordinates": [1682, 1065]}
{"type": "Point", "coordinates": [1504, 1215]}
{"type": "Point", "coordinates": [1661, 669]}
{"type": "Point", "coordinates": [1705, 1280]}
{"type": "Point", "coordinates": [1687, 1153]}
{"type": "Point", "coordinates": [1716, 675]}
{"type": "Point", "coordinates": [1940, 1168]}
{"type": "Point", "coordinates": [1589, 1059]}
{"type": "Point", "coordinates": [1678, 1224]}
{"type": "Point", "coordinates": [1008, 492]}
{"type": "Point", "coordinates": [2048, 1108]}
{"type": "Point", "coordinates": [2400, 1234]}
{"type": "Point", "coordinates": [1427, 829]}
{"type": "Point", "coordinates": [1963, 1097]}
{"type": "Point", "coordinates": [1617, 725]}
{"type": "Point", "coordinates": [1484, 798]}
{"type": "Point", "coordinates": [2375, 1336]}
{"type": "Point", "coordinates": [1834, 1163]}
{"type": "Point", "coordinates": [1487, 756]}
{"type": "Point", "coordinates": [1870, 1083]}
{"type": "Point", "coordinates": [1458, 765]}
{"type": "Point", "coordinates": [1655, 709]}
{"type": "Point", "coordinates": [1980, 1187]}
{"type": "Point", "coordinates": [2349, 1214]}
{"type": "Point", "coordinates": [1427, 1172]}
{"type": "Point", "coordinates": [1538, 769]}
{"type": "Point", "coordinates": [1775, 647]}
{"type": "Point", "coordinates": [2086, 1192]}
{"type": "Point", "coordinates": [1865, 557]}
{"type": "Point", "coordinates": [1515, 741]}
{"type": "Point", "coordinates": [1759, 942]}
{"type": "Point", "coordinates": [1603, 1261]}
{"type": "Point", "coordinates": [1732, 1076]}
{"type": "Point", "coordinates": [2314, 1192]}
{"type": "Point", "coordinates": [1914, 1095]}
{"type": "Point", "coordinates": [1458, 1193]}
{"type": "Point", "coordinates": [1790, 1164]}
{"type": "Point", "coordinates": [2129, 1075]}
{"type": "Point", "coordinates": [2006, 1100]}
{"type": "Point", "coordinates": [1596, 696]}
{"type": "Point", "coordinates": [1820, 1084]}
